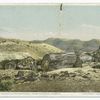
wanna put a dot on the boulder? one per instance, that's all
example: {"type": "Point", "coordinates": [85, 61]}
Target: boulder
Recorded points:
{"type": "Point", "coordinates": [20, 75]}
{"type": "Point", "coordinates": [31, 76]}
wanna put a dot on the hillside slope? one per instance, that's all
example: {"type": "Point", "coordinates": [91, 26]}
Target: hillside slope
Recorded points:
{"type": "Point", "coordinates": [18, 47]}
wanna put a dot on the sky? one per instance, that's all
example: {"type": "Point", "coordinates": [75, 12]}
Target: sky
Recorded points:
{"type": "Point", "coordinates": [39, 22]}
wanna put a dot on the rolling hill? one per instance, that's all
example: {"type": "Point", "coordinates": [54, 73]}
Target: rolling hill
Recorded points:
{"type": "Point", "coordinates": [19, 48]}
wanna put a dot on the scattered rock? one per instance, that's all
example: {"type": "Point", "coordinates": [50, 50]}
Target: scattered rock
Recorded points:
{"type": "Point", "coordinates": [85, 76]}
{"type": "Point", "coordinates": [64, 73]}
{"type": "Point", "coordinates": [44, 76]}
{"type": "Point", "coordinates": [54, 76]}
{"type": "Point", "coordinates": [72, 74]}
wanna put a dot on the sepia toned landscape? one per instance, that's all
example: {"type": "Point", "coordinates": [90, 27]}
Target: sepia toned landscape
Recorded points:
{"type": "Point", "coordinates": [55, 51]}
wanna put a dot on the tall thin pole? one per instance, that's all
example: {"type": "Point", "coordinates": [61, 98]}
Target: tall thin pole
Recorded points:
{"type": "Point", "coordinates": [60, 18]}
{"type": "Point", "coordinates": [61, 7]}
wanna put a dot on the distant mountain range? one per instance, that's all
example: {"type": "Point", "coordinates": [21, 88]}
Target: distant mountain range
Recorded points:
{"type": "Point", "coordinates": [70, 45]}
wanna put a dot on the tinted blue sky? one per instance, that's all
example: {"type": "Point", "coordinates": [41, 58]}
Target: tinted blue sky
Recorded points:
{"type": "Point", "coordinates": [31, 22]}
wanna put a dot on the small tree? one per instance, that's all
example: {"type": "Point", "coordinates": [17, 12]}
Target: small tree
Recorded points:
{"type": "Point", "coordinates": [45, 66]}
{"type": "Point", "coordinates": [78, 62]}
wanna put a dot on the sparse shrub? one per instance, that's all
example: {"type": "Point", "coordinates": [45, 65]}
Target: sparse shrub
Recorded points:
{"type": "Point", "coordinates": [97, 66]}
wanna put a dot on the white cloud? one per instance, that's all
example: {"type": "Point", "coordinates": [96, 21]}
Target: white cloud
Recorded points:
{"type": "Point", "coordinates": [84, 32]}
{"type": "Point", "coordinates": [90, 26]}
{"type": "Point", "coordinates": [12, 33]}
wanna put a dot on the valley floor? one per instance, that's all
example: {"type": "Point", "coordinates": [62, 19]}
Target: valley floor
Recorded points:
{"type": "Point", "coordinates": [84, 79]}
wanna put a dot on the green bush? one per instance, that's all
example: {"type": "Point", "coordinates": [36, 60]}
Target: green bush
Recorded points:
{"type": "Point", "coordinates": [5, 85]}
